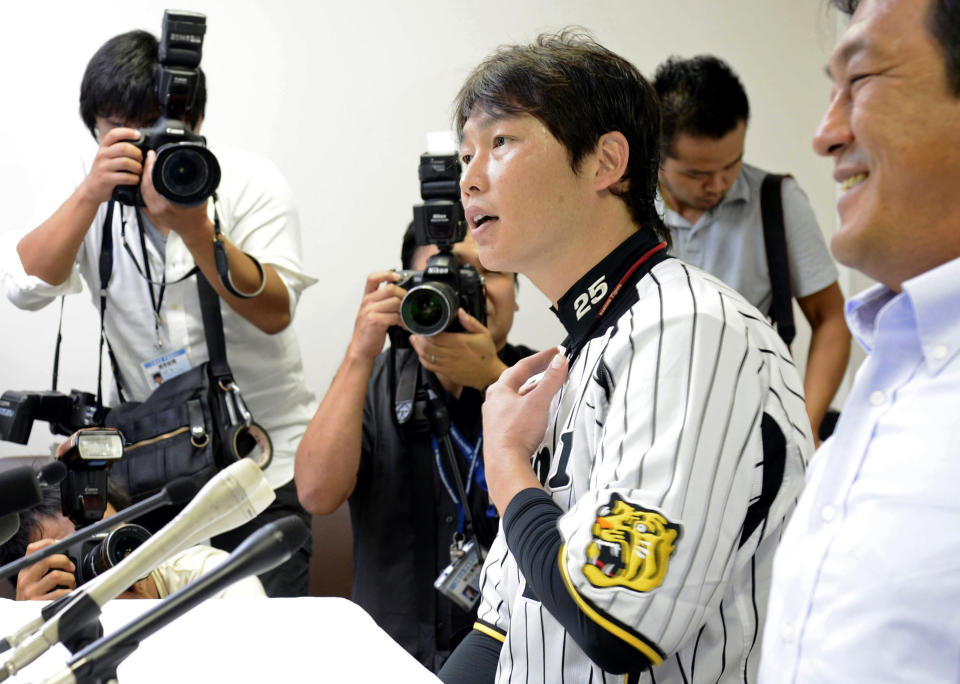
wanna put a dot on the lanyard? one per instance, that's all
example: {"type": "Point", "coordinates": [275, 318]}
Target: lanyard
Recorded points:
{"type": "Point", "coordinates": [472, 455]}
{"type": "Point", "coordinates": [155, 301]}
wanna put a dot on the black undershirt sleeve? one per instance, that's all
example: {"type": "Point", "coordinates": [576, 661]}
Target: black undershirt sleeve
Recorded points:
{"type": "Point", "coordinates": [530, 525]}
{"type": "Point", "coordinates": [473, 661]}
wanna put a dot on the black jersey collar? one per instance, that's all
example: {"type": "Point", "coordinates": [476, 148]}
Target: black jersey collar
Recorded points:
{"type": "Point", "coordinates": [580, 309]}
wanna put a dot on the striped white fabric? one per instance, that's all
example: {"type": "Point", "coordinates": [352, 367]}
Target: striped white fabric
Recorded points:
{"type": "Point", "coordinates": [662, 411]}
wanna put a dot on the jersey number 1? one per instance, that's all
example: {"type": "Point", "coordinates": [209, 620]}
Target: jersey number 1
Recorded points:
{"type": "Point", "coordinates": [541, 464]}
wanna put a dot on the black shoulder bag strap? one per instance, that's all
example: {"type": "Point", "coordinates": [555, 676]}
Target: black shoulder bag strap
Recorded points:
{"type": "Point", "coordinates": [213, 331]}
{"type": "Point", "coordinates": [106, 269]}
{"type": "Point", "coordinates": [775, 242]}
{"type": "Point", "coordinates": [425, 532]}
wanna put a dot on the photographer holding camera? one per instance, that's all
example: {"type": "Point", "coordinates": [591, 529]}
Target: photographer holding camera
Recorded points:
{"type": "Point", "coordinates": [406, 525]}
{"type": "Point", "coordinates": [156, 199]}
{"type": "Point", "coordinates": [57, 575]}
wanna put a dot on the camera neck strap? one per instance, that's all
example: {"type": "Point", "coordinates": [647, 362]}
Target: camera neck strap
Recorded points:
{"type": "Point", "coordinates": [106, 269]}
{"type": "Point", "coordinates": [441, 428]}
{"type": "Point", "coordinates": [223, 261]}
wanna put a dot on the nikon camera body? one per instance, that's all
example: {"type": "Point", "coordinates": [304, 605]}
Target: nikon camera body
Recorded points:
{"type": "Point", "coordinates": [445, 285]}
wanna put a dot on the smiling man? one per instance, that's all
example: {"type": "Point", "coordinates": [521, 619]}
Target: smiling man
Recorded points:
{"type": "Point", "coordinates": [711, 202]}
{"type": "Point", "coordinates": [867, 580]}
{"type": "Point", "coordinates": [644, 475]}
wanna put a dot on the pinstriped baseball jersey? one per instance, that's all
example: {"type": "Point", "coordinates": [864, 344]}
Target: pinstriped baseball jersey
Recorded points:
{"type": "Point", "coordinates": [655, 451]}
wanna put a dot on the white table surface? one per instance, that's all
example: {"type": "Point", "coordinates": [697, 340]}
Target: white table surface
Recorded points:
{"type": "Point", "coordinates": [224, 640]}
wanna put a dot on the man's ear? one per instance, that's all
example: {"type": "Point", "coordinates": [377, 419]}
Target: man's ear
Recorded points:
{"type": "Point", "coordinates": [613, 152]}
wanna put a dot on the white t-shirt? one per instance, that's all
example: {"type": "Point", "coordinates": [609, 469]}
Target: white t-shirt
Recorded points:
{"type": "Point", "coordinates": [188, 565]}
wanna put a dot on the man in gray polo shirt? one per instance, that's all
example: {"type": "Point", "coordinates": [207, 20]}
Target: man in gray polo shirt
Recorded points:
{"type": "Point", "coordinates": [710, 201]}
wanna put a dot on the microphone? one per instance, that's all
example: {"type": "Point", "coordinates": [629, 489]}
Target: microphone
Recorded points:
{"type": "Point", "coordinates": [177, 492]}
{"type": "Point", "coordinates": [9, 524]}
{"type": "Point", "coordinates": [237, 493]}
{"type": "Point", "coordinates": [19, 490]}
{"type": "Point", "coordinates": [266, 548]}
{"type": "Point", "coordinates": [52, 473]}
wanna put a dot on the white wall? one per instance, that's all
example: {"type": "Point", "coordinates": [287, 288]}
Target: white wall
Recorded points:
{"type": "Point", "coordinates": [340, 96]}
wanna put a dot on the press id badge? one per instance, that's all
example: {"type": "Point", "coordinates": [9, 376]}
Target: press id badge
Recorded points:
{"type": "Point", "coordinates": [166, 366]}
{"type": "Point", "coordinates": [460, 581]}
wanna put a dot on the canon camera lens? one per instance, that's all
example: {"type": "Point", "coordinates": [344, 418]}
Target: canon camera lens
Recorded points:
{"type": "Point", "coordinates": [111, 549]}
{"type": "Point", "coordinates": [186, 173]}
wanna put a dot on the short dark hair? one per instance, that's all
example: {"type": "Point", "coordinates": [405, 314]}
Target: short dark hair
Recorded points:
{"type": "Point", "coordinates": [408, 248]}
{"type": "Point", "coordinates": [701, 97]}
{"type": "Point", "coordinates": [580, 90]}
{"type": "Point", "coordinates": [119, 82]}
{"type": "Point", "coordinates": [943, 22]}
{"type": "Point", "coordinates": [15, 548]}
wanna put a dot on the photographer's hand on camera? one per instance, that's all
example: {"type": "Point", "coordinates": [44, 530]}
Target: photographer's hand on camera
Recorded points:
{"type": "Point", "coordinates": [466, 359]}
{"type": "Point", "coordinates": [190, 223]}
{"type": "Point", "coordinates": [118, 162]}
{"type": "Point", "coordinates": [328, 457]}
{"type": "Point", "coordinates": [46, 579]}
{"type": "Point", "coordinates": [379, 311]}
{"type": "Point", "coordinates": [48, 251]}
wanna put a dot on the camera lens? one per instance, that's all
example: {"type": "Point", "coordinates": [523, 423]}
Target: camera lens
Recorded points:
{"type": "Point", "coordinates": [429, 309]}
{"type": "Point", "coordinates": [186, 173]}
{"type": "Point", "coordinates": [116, 545]}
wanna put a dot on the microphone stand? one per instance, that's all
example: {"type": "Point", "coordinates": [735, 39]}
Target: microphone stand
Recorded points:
{"type": "Point", "coordinates": [264, 549]}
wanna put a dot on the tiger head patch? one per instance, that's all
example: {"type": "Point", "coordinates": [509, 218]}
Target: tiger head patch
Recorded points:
{"type": "Point", "coordinates": [631, 547]}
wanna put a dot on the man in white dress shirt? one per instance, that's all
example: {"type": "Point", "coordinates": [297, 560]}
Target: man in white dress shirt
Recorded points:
{"type": "Point", "coordinates": [867, 577]}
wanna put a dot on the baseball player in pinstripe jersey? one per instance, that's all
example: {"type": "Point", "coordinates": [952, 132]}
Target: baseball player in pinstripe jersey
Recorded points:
{"type": "Point", "coordinates": [643, 474]}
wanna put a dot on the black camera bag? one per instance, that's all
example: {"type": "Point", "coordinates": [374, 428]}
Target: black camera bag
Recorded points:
{"type": "Point", "coordinates": [185, 427]}
{"type": "Point", "coordinates": [193, 424]}
{"type": "Point", "coordinates": [176, 432]}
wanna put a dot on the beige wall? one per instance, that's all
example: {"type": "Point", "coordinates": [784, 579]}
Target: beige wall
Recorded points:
{"type": "Point", "coordinates": [340, 96]}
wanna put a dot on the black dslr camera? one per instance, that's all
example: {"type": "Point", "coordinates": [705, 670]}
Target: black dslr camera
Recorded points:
{"type": "Point", "coordinates": [445, 285]}
{"type": "Point", "coordinates": [99, 553]}
{"type": "Point", "coordinates": [65, 413]}
{"type": "Point", "coordinates": [83, 499]}
{"type": "Point", "coordinates": [185, 172]}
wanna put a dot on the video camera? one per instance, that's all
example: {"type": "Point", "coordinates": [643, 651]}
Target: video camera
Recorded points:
{"type": "Point", "coordinates": [185, 172]}
{"type": "Point", "coordinates": [65, 413]}
{"type": "Point", "coordinates": [445, 285]}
